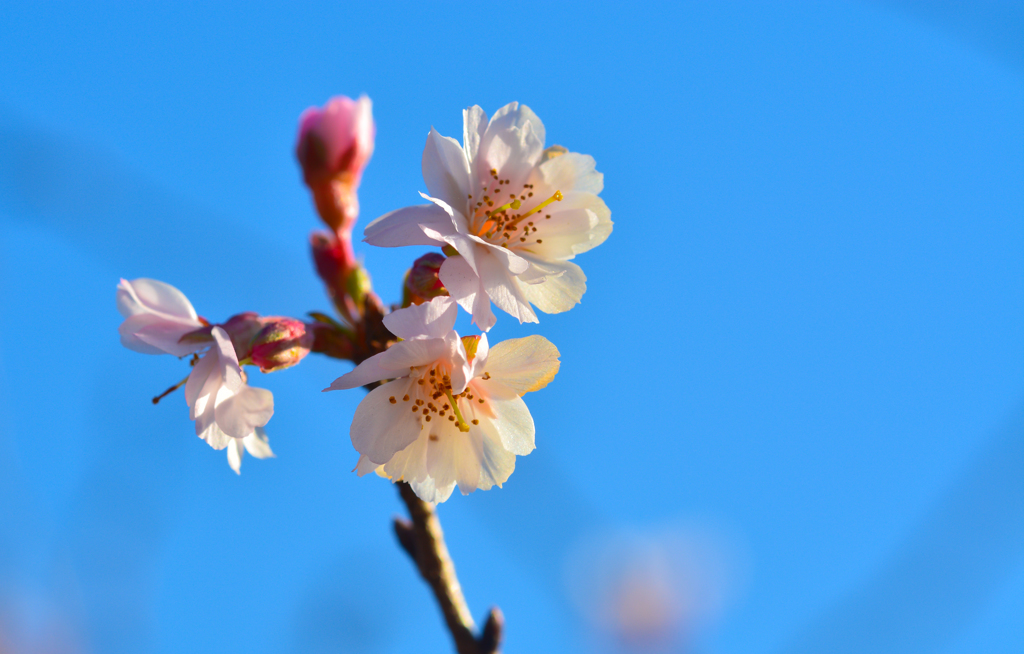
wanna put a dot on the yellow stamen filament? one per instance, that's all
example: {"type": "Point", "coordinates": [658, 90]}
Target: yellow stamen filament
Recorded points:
{"type": "Point", "coordinates": [463, 427]}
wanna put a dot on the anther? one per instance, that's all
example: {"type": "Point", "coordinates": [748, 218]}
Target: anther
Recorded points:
{"type": "Point", "coordinates": [392, 400]}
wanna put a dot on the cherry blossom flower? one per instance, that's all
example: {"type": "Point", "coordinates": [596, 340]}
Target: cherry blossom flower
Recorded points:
{"type": "Point", "coordinates": [452, 412]}
{"type": "Point", "coordinates": [156, 316]}
{"type": "Point", "coordinates": [228, 412]}
{"type": "Point", "coordinates": [515, 212]}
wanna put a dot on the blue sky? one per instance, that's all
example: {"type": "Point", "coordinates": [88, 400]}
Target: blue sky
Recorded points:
{"type": "Point", "coordinates": [798, 367]}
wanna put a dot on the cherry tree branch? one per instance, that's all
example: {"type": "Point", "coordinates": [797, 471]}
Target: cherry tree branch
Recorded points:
{"type": "Point", "coordinates": [422, 538]}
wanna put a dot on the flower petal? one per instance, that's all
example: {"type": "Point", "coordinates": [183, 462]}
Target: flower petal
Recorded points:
{"type": "Point", "coordinates": [464, 285]}
{"type": "Point", "coordinates": [151, 296]}
{"type": "Point", "coordinates": [523, 364]}
{"type": "Point", "coordinates": [402, 226]}
{"type": "Point", "coordinates": [381, 429]}
{"type": "Point", "coordinates": [241, 413]}
{"type": "Point", "coordinates": [474, 123]}
{"type": "Point", "coordinates": [431, 319]}
{"type": "Point", "coordinates": [152, 334]}
{"type": "Point", "coordinates": [562, 290]}
{"type": "Point", "coordinates": [503, 289]}
{"type": "Point", "coordinates": [258, 444]}
{"type": "Point", "coordinates": [367, 372]}
{"type": "Point", "coordinates": [512, 419]}
{"type": "Point", "coordinates": [428, 491]}
{"type": "Point", "coordinates": [415, 352]}
{"type": "Point", "coordinates": [446, 169]}
{"type": "Point", "coordinates": [572, 171]}
{"type": "Point", "coordinates": [235, 452]}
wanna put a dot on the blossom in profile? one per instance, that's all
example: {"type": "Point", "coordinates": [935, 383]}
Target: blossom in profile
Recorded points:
{"type": "Point", "coordinates": [227, 411]}
{"type": "Point", "coordinates": [515, 212]}
{"type": "Point", "coordinates": [156, 316]}
{"type": "Point", "coordinates": [452, 412]}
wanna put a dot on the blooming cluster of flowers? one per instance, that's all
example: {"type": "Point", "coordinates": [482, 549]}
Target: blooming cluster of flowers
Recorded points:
{"type": "Point", "coordinates": [442, 410]}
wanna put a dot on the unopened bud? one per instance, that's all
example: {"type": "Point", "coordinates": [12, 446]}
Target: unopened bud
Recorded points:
{"type": "Point", "coordinates": [422, 282]}
{"type": "Point", "coordinates": [241, 328]}
{"type": "Point", "coordinates": [358, 285]}
{"type": "Point", "coordinates": [281, 343]}
{"type": "Point", "coordinates": [333, 147]}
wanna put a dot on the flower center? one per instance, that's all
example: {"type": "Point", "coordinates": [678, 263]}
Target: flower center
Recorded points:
{"type": "Point", "coordinates": [504, 225]}
{"type": "Point", "coordinates": [431, 398]}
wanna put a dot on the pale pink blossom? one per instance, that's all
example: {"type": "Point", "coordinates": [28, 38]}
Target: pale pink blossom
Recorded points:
{"type": "Point", "coordinates": [452, 412]}
{"type": "Point", "coordinates": [227, 411]}
{"type": "Point", "coordinates": [515, 212]}
{"type": "Point", "coordinates": [156, 316]}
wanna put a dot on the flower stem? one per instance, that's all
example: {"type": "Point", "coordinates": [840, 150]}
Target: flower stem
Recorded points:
{"type": "Point", "coordinates": [423, 540]}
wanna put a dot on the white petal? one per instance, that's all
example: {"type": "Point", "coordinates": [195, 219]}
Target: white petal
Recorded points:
{"type": "Point", "coordinates": [410, 464]}
{"type": "Point", "coordinates": [367, 372]}
{"type": "Point", "coordinates": [216, 438]}
{"type": "Point", "coordinates": [497, 463]}
{"type": "Point", "coordinates": [446, 169]}
{"type": "Point", "coordinates": [503, 289]}
{"type": "Point", "coordinates": [427, 491]}
{"type": "Point", "coordinates": [235, 452]}
{"type": "Point", "coordinates": [512, 418]}
{"type": "Point", "coordinates": [572, 171]}
{"type": "Point", "coordinates": [402, 227]}
{"type": "Point", "coordinates": [474, 123]}
{"type": "Point", "coordinates": [465, 287]}
{"type": "Point", "coordinates": [512, 143]}
{"type": "Point", "coordinates": [431, 319]}
{"type": "Point", "coordinates": [206, 366]}
{"type": "Point", "coordinates": [578, 223]}
{"type": "Point", "coordinates": [561, 291]}
{"type": "Point", "coordinates": [416, 352]}
{"type": "Point", "coordinates": [232, 373]}
{"type": "Point", "coordinates": [258, 444]}
{"type": "Point", "coordinates": [523, 364]}
{"type": "Point", "coordinates": [381, 429]}
{"type": "Point", "coordinates": [241, 413]}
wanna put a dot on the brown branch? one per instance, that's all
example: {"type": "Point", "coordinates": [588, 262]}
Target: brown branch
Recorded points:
{"type": "Point", "coordinates": [423, 540]}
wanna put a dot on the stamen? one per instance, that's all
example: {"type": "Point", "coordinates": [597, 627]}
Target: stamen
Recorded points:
{"type": "Point", "coordinates": [156, 400]}
{"type": "Point", "coordinates": [461, 422]}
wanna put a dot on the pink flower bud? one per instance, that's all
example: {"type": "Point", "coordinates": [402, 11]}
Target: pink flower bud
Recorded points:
{"type": "Point", "coordinates": [333, 146]}
{"type": "Point", "coordinates": [281, 343]}
{"type": "Point", "coordinates": [422, 282]}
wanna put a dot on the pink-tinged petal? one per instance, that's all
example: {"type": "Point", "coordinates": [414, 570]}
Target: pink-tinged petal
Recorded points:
{"type": "Point", "coordinates": [201, 372]}
{"type": "Point", "coordinates": [474, 123]}
{"type": "Point", "coordinates": [151, 296]}
{"type": "Point", "coordinates": [572, 171]}
{"type": "Point", "coordinates": [367, 372]}
{"type": "Point", "coordinates": [561, 291]}
{"type": "Point", "coordinates": [258, 444]}
{"type": "Point", "coordinates": [232, 373]}
{"type": "Point", "coordinates": [240, 414]}
{"type": "Point", "coordinates": [441, 454]}
{"type": "Point", "coordinates": [235, 451]}
{"type": "Point", "coordinates": [523, 364]}
{"type": "Point", "coordinates": [364, 466]}
{"type": "Point", "coordinates": [503, 289]}
{"type": "Point", "coordinates": [458, 220]}
{"type": "Point", "coordinates": [431, 319]}
{"type": "Point", "coordinates": [479, 362]}
{"type": "Point", "coordinates": [464, 285]}
{"type": "Point", "coordinates": [445, 169]}
{"type": "Point", "coordinates": [428, 491]}
{"type": "Point", "coordinates": [512, 419]}
{"type": "Point", "coordinates": [380, 429]}
{"type": "Point", "coordinates": [416, 352]}
{"type": "Point", "coordinates": [151, 334]}
{"type": "Point", "coordinates": [467, 246]}
{"type": "Point", "coordinates": [403, 227]}
{"type": "Point", "coordinates": [578, 223]}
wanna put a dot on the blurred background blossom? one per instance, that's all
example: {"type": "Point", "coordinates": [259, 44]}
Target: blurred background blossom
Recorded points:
{"type": "Point", "coordinates": [808, 325]}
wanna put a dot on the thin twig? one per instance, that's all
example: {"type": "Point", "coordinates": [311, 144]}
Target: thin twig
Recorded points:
{"type": "Point", "coordinates": [423, 540]}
